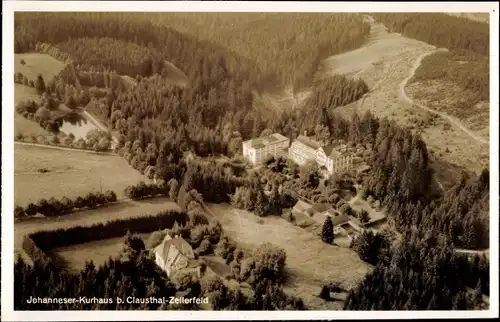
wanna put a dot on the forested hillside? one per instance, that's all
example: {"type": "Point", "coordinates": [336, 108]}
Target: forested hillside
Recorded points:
{"type": "Point", "coordinates": [291, 45]}
{"type": "Point", "coordinates": [158, 122]}
{"type": "Point", "coordinates": [467, 62]}
{"type": "Point", "coordinates": [440, 30]}
{"type": "Point", "coordinates": [192, 56]}
{"type": "Point", "coordinates": [423, 274]}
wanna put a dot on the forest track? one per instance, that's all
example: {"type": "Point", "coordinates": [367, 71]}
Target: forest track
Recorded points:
{"type": "Point", "coordinates": [449, 118]}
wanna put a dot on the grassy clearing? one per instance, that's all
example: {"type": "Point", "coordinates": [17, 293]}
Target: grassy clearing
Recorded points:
{"type": "Point", "coordinates": [42, 64]}
{"type": "Point", "coordinates": [74, 257]}
{"type": "Point", "coordinates": [22, 125]}
{"type": "Point", "coordinates": [99, 250]}
{"type": "Point", "coordinates": [71, 174]}
{"type": "Point", "coordinates": [310, 262]}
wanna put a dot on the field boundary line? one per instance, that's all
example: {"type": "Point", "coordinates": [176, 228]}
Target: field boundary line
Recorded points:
{"type": "Point", "coordinates": [63, 148]}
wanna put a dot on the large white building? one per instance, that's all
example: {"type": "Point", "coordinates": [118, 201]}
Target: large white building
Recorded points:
{"type": "Point", "coordinates": [332, 158]}
{"type": "Point", "coordinates": [259, 149]}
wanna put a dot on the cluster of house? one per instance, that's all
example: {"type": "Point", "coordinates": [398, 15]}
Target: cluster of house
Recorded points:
{"type": "Point", "coordinates": [330, 157]}
{"type": "Point", "coordinates": [343, 224]}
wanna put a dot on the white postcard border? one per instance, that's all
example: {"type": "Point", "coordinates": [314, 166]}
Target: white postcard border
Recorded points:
{"type": "Point", "coordinates": [242, 6]}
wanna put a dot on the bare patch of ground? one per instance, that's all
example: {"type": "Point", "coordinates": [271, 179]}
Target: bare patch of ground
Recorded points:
{"type": "Point", "coordinates": [310, 262]}
{"type": "Point", "coordinates": [442, 96]}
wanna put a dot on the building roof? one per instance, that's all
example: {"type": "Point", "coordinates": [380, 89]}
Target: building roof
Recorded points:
{"type": "Point", "coordinates": [308, 142]}
{"type": "Point", "coordinates": [170, 245]}
{"type": "Point", "coordinates": [321, 207]}
{"type": "Point", "coordinates": [340, 219]}
{"type": "Point", "coordinates": [278, 137]}
{"type": "Point", "coordinates": [302, 206]}
{"type": "Point", "coordinates": [261, 142]}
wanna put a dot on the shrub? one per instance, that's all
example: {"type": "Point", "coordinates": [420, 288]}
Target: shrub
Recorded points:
{"type": "Point", "coordinates": [19, 212]}
{"type": "Point", "coordinates": [205, 247]}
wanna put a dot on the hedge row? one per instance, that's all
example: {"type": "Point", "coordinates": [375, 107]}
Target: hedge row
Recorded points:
{"type": "Point", "coordinates": [46, 240]}
{"type": "Point", "coordinates": [144, 191]}
{"type": "Point", "coordinates": [79, 144]}
{"type": "Point", "coordinates": [54, 207]}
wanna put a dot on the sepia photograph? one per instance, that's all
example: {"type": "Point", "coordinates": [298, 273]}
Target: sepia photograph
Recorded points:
{"type": "Point", "coordinates": [232, 156]}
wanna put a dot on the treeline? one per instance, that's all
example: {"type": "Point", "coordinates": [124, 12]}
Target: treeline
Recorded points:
{"type": "Point", "coordinates": [136, 276]}
{"type": "Point", "coordinates": [47, 240]}
{"type": "Point", "coordinates": [252, 197]}
{"type": "Point", "coordinates": [469, 71]}
{"type": "Point", "coordinates": [440, 30]}
{"type": "Point", "coordinates": [462, 215]}
{"type": "Point", "coordinates": [293, 54]}
{"type": "Point", "coordinates": [54, 207]}
{"type": "Point", "coordinates": [126, 58]}
{"type": "Point", "coordinates": [328, 94]}
{"type": "Point", "coordinates": [423, 274]}
{"type": "Point", "coordinates": [185, 52]}
{"type": "Point", "coordinates": [144, 191]}
{"type": "Point", "coordinates": [41, 112]}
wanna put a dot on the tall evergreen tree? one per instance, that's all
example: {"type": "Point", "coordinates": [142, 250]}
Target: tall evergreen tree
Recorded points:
{"type": "Point", "coordinates": [327, 232]}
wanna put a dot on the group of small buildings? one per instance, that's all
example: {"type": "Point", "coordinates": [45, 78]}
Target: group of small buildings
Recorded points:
{"type": "Point", "coordinates": [331, 158]}
{"type": "Point", "coordinates": [343, 224]}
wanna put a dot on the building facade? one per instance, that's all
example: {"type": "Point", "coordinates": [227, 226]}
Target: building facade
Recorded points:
{"type": "Point", "coordinates": [173, 254]}
{"type": "Point", "coordinates": [333, 158]}
{"type": "Point", "coordinates": [260, 149]}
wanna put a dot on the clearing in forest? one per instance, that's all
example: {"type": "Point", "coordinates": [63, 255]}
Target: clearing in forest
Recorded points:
{"type": "Point", "coordinates": [310, 263]}
{"type": "Point", "coordinates": [35, 64]}
{"type": "Point", "coordinates": [22, 125]}
{"type": "Point", "coordinates": [76, 255]}
{"type": "Point", "coordinates": [386, 63]}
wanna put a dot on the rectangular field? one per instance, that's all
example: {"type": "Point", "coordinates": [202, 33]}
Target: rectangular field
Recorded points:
{"type": "Point", "coordinates": [74, 257]}
{"type": "Point", "coordinates": [310, 262]}
{"type": "Point", "coordinates": [96, 250]}
{"type": "Point", "coordinates": [71, 174]}
{"type": "Point", "coordinates": [36, 64]}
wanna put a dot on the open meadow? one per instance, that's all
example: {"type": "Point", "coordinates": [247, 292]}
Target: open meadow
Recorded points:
{"type": "Point", "coordinates": [70, 174]}
{"type": "Point", "coordinates": [21, 124]}
{"type": "Point", "coordinates": [98, 251]}
{"type": "Point", "coordinates": [310, 262]}
{"type": "Point", "coordinates": [73, 257]}
{"type": "Point", "coordinates": [36, 64]}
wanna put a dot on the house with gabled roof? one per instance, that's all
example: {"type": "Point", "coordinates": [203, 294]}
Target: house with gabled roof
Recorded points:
{"type": "Point", "coordinates": [174, 254]}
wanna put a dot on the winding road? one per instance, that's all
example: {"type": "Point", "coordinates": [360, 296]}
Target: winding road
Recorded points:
{"type": "Point", "coordinates": [451, 119]}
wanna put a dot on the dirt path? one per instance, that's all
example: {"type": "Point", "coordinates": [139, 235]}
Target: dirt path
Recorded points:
{"type": "Point", "coordinates": [451, 119]}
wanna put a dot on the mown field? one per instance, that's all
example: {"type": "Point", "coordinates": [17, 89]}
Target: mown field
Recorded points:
{"type": "Point", "coordinates": [310, 262]}
{"type": "Point", "coordinates": [71, 174]}
{"type": "Point", "coordinates": [74, 257]}
{"type": "Point", "coordinates": [36, 64]}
